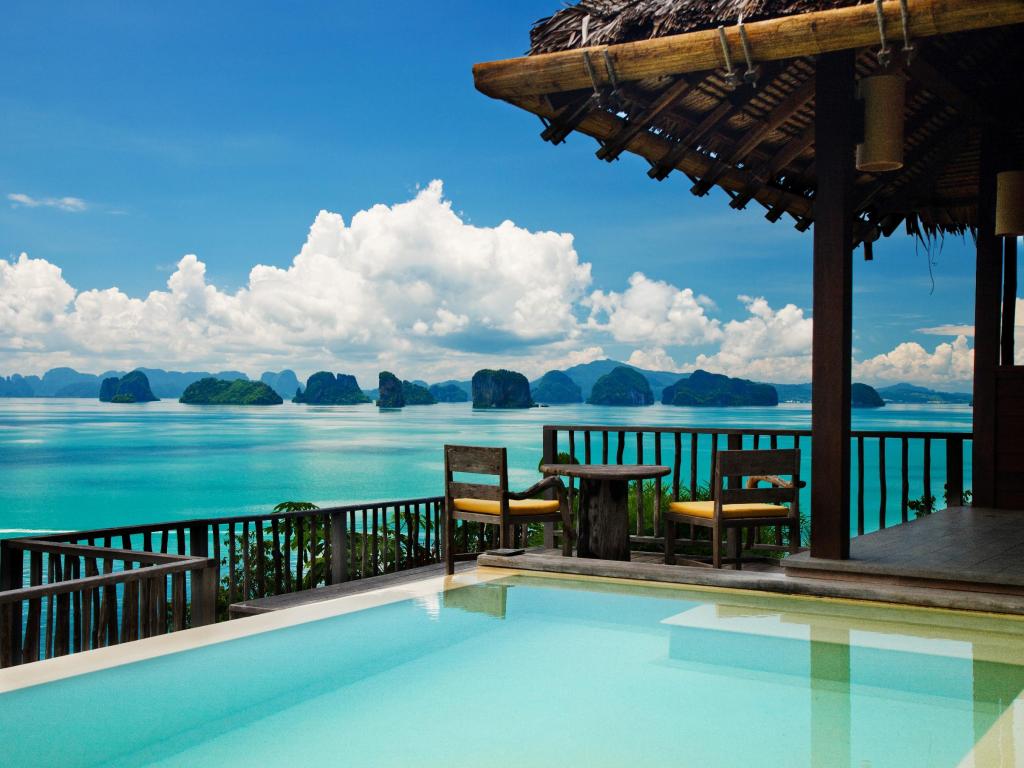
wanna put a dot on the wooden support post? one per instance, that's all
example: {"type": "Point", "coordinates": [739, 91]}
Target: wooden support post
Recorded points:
{"type": "Point", "coordinates": [988, 284]}
{"type": "Point", "coordinates": [339, 546]}
{"type": "Point", "coordinates": [12, 565]}
{"type": "Point", "coordinates": [549, 450]}
{"type": "Point", "coordinates": [835, 117]}
{"type": "Point", "coordinates": [1009, 298]}
{"type": "Point", "coordinates": [204, 580]}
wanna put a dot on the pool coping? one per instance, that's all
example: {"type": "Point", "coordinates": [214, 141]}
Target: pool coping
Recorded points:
{"type": "Point", "coordinates": [72, 665]}
{"type": "Point", "coordinates": [896, 594]}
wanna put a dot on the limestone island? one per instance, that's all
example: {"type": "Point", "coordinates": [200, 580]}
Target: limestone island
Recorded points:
{"type": "Point", "coordinates": [238, 392]}
{"type": "Point", "coordinates": [393, 393]}
{"type": "Point", "coordinates": [324, 388]}
{"type": "Point", "coordinates": [131, 388]}
{"type": "Point", "coordinates": [622, 386]}
{"type": "Point", "coordinates": [556, 388]}
{"type": "Point", "coordinates": [501, 389]}
{"type": "Point", "coordinates": [705, 389]}
{"type": "Point", "coordinates": [865, 396]}
{"type": "Point", "coordinates": [448, 392]}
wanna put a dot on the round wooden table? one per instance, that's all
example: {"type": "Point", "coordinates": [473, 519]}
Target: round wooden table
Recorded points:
{"type": "Point", "coordinates": [603, 528]}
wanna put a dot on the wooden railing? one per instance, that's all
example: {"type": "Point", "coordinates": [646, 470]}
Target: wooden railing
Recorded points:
{"type": "Point", "coordinates": [920, 473]}
{"type": "Point", "coordinates": [90, 589]}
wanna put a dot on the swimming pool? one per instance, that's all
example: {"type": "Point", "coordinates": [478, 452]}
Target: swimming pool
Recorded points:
{"type": "Point", "coordinates": [536, 671]}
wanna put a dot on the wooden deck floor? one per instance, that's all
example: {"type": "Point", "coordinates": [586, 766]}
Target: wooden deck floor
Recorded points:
{"type": "Point", "coordinates": [965, 548]}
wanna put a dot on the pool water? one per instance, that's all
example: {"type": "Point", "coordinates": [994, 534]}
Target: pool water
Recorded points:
{"type": "Point", "coordinates": [538, 671]}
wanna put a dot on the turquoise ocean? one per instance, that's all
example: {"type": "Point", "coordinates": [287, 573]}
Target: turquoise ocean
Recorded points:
{"type": "Point", "coordinates": [74, 464]}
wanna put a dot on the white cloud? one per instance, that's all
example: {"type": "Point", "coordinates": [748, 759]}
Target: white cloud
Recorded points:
{"type": "Point", "coordinates": [948, 330]}
{"type": "Point", "coordinates": [949, 364]}
{"type": "Point", "coordinates": [71, 204]}
{"type": "Point", "coordinates": [653, 312]}
{"type": "Point", "coordinates": [653, 359]}
{"type": "Point", "coordinates": [768, 345]}
{"type": "Point", "coordinates": [412, 281]}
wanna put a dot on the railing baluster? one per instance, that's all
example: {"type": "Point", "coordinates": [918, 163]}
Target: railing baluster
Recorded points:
{"type": "Point", "coordinates": [299, 553]}
{"type": "Point", "coordinates": [572, 446]}
{"type": "Point", "coordinates": [604, 446]}
{"type": "Point", "coordinates": [376, 550]}
{"type": "Point", "coordinates": [677, 462]}
{"type": "Point", "coordinates": [398, 538]}
{"type": "Point", "coordinates": [232, 565]}
{"type": "Point", "coordinates": [904, 479]}
{"type": "Point", "coordinates": [288, 554]}
{"type": "Point", "coordinates": [362, 548]}
{"type": "Point", "coordinates": [954, 471]}
{"type": "Point", "coordinates": [586, 447]}
{"type": "Point", "coordinates": [246, 593]}
{"type": "Point", "coordinates": [860, 485]}
{"type": "Point", "coordinates": [928, 470]}
{"type": "Point", "coordinates": [694, 444]}
{"type": "Point", "coordinates": [275, 536]}
{"type": "Point", "coordinates": [639, 485]}
{"type": "Point", "coordinates": [620, 450]}
{"type": "Point", "coordinates": [882, 485]}
{"type": "Point", "coordinates": [656, 509]}
{"type": "Point", "coordinates": [261, 571]}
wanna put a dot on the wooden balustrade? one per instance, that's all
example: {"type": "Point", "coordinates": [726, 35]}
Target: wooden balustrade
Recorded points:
{"type": "Point", "coordinates": [691, 454]}
{"type": "Point", "coordinates": [89, 589]}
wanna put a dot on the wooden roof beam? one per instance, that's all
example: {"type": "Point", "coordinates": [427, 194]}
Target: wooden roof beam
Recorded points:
{"type": "Point", "coordinates": [765, 172]}
{"type": "Point", "coordinates": [616, 145]}
{"type": "Point", "coordinates": [784, 110]}
{"type": "Point", "coordinates": [602, 126]}
{"type": "Point", "coordinates": [788, 37]}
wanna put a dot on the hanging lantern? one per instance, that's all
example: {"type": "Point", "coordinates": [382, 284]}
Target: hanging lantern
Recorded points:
{"type": "Point", "coordinates": [883, 97]}
{"type": "Point", "coordinates": [1010, 203]}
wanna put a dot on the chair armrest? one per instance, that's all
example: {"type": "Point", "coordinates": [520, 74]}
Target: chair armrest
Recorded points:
{"type": "Point", "coordinates": [545, 484]}
{"type": "Point", "coordinates": [774, 480]}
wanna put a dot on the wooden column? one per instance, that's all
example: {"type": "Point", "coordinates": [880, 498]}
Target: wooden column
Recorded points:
{"type": "Point", "coordinates": [988, 284]}
{"type": "Point", "coordinates": [1009, 298]}
{"type": "Point", "coordinates": [835, 117]}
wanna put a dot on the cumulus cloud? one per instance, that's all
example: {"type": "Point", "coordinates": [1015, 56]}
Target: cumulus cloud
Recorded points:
{"type": "Point", "coordinates": [653, 359]}
{"type": "Point", "coordinates": [411, 280]}
{"type": "Point", "coordinates": [949, 363]}
{"type": "Point", "coordinates": [70, 204]}
{"type": "Point", "coordinates": [767, 345]}
{"type": "Point", "coordinates": [653, 312]}
{"type": "Point", "coordinates": [948, 330]}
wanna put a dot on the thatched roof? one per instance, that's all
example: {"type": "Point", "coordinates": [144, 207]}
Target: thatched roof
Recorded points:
{"type": "Point", "coordinates": [609, 22]}
{"type": "Point", "coordinates": [649, 78]}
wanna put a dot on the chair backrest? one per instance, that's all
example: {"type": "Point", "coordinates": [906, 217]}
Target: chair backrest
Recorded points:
{"type": "Point", "coordinates": [783, 463]}
{"type": "Point", "coordinates": [475, 460]}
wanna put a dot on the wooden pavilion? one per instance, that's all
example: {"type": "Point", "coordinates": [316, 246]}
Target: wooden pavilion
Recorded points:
{"type": "Point", "coordinates": [762, 99]}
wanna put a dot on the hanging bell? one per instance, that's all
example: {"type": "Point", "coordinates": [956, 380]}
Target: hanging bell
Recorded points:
{"type": "Point", "coordinates": [884, 98]}
{"type": "Point", "coordinates": [1010, 203]}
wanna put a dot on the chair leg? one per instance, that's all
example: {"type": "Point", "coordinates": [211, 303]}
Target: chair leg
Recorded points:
{"type": "Point", "coordinates": [716, 547]}
{"type": "Point", "coordinates": [670, 541]}
{"type": "Point", "coordinates": [449, 545]}
{"type": "Point", "coordinates": [794, 537]}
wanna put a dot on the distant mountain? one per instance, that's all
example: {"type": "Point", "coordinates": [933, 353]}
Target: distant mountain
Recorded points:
{"type": "Point", "coordinates": [622, 385]}
{"type": "Point", "coordinates": [285, 383]}
{"type": "Point", "coordinates": [67, 382]}
{"type": "Point", "coordinates": [912, 394]}
{"type": "Point", "coordinates": [586, 375]}
{"type": "Point", "coordinates": [793, 393]}
{"type": "Point", "coordinates": [713, 389]}
{"type": "Point", "coordinates": [555, 388]}
{"type": "Point", "coordinates": [865, 396]}
{"type": "Point", "coordinates": [448, 393]}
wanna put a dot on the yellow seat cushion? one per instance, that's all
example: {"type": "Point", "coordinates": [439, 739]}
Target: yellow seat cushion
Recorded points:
{"type": "Point", "coordinates": [515, 507]}
{"type": "Point", "coordinates": [707, 509]}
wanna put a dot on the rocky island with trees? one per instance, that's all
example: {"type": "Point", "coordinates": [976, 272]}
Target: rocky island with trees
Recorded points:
{"type": "Point", "coordinates": [238, 392]}
{"type": "Point", "coordinates": [131, 388]}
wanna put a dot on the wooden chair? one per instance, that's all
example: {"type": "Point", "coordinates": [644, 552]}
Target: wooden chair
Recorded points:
{"type": "Point", "coordinates": [736, 507]}
{"type": "Point", "coordinates": [494, 504]}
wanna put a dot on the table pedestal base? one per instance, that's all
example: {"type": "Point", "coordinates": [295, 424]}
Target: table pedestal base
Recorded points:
{"type": "Point", "coordinates": [604, 520]}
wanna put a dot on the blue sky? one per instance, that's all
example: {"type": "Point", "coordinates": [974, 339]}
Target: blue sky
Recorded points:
{"type": "Point", "coordinates": [221, 129]}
